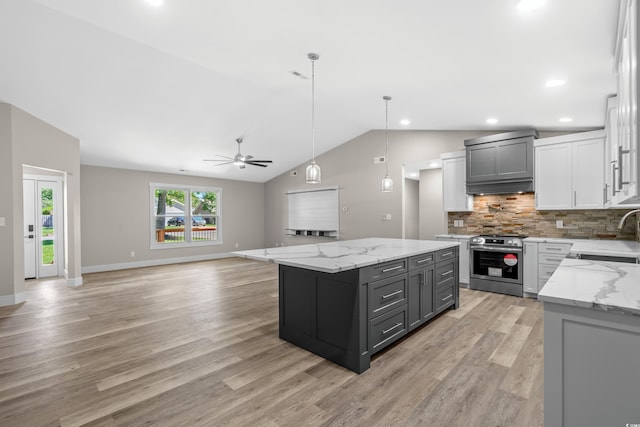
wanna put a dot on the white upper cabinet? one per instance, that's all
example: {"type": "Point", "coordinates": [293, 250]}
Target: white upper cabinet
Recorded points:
{"type": "Point", "coordinates": [454, 185]}
{"type": "Point", "coordinates": [624, 160]}
{"type": "Point", "coordinates": [569, 171]}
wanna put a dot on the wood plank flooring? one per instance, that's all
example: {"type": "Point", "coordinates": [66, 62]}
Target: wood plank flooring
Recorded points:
{"type": "Point", "coordinates": [197, 345]}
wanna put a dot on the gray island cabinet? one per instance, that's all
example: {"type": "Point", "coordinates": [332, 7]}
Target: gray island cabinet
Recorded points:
{"type": "Point", "coordinates": [347, 300]}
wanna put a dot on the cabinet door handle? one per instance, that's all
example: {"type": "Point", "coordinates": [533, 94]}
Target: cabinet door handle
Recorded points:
{"type": "Point", "coordinates": [446, 273]}
{"type": "Point", "coordinates": [446, 298]}
{"type": "Point", "coordinates": [391, 294]}
{"type": "Point", "coordinates": [446, 254]}
{"type": "Point", "coordinates": [424, 260]}
{"type": "Point", "coordinates": [620, 153]}
{"type": "Point", "coordinates": [384, 332]}
{"type": "Point", "coordinates": [613, 178]}
{"type": "Point", "coordinates": [554, 249]}
{"type": "Point", "coordinates": [575, 198]}
{"type": "Point", "coordinates": [604, 194]}
{"type": "Point", "coordinates": [397, 267]}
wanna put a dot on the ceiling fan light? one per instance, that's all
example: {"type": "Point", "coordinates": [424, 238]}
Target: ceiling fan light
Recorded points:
{"type": "Point", "coordinates": [313, 173]}
{"type": "Point", "coordinates": [387, 184]}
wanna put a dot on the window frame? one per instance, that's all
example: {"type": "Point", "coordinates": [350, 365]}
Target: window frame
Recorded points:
{"type": "Point", "coordinates": [188, 190]}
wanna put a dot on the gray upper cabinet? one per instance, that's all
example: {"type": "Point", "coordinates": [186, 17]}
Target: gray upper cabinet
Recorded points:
{"type": "Point", "coordinates": [500, 163]}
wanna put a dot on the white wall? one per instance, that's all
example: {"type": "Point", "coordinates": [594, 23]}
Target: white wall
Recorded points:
{"type": "Point", "coordinates": [116, 218]}
{"type": "Point", "coordinates": [26, 140]}
{"type": "Point", "coordinates": [411, 209]}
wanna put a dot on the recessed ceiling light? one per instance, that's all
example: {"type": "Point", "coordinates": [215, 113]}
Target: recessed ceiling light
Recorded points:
{"type": "Point", "coordinates": [492, 121]}
{"type": "Point", "coordinates": [554, 83]}
{"type": "Point", "coordinates": [156, 3]}
{"type": "Point", "coordinates": [565, 119]}
{"type": "Point", "coordinates": [434, 164]}
{"type": "Point", "coordinates": [405, 122]}
{"type": "Point", "coordinates": [529, 5]}
{"type": "Point", "coordinates": [413, 175]}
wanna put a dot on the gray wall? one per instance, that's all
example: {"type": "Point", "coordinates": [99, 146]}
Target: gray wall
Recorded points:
{"type": "Point", "coordinates": [116, 218]}
{"type": "Point", "coordinates": [433, 220]}
{"type": "Point", "coordinates": [411, 209]}
{"type": "Point", "coordinates": [350, 166]}
{"type": "Point", "coordinates": [26, 140]}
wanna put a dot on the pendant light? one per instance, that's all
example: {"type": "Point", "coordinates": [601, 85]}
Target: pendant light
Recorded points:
{"type": "Point", "coordinates": [387, 183]}
{"type": "Point", "coordinates": [313, 173]}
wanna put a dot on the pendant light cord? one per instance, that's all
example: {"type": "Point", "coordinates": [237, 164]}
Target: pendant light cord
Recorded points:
{"type": "Point", "coordinates": [313, 110]}
{"type": "Point", "coordinates": [386, 133]}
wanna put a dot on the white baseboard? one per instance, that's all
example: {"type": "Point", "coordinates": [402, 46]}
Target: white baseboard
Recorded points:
{"type": "Point", "coordinates": [74, 282]}
{"type": "Point", "coordinates": [12, 299]}
{"type": "Point", "coordinates": [152, 262]}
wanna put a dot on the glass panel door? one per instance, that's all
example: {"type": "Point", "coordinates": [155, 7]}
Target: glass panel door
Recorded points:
{"type": "Point", "coordinates": [49, 224]}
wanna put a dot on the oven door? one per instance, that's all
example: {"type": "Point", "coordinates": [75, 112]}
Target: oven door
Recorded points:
{"type": "Point", "coordinates": [496, 263]}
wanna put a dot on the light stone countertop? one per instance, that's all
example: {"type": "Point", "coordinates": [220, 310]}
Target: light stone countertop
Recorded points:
{"type": "Point", "coordinates": [605, 247]}
{"type": "Point", "coordinates": [342, 255]}
{"type": "Point", "coordinates": [549, 240]}
{"type": "Point", "coordinates": [601, 285]}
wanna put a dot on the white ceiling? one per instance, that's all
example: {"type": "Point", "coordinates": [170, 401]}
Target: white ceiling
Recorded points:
{"type": "Point", "coordinates": [160, 89]}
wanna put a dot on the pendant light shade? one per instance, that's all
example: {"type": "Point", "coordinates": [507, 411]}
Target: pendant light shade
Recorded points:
{"type": "Point", "coordinates": [387, 183]}
{"type": "Point", "coordinates": [313, 173]}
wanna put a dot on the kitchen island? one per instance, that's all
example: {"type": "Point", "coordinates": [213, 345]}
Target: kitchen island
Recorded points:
{"type": "Point", "coordinates": [592, 341]}
{"type": "Point", "coordinates": [347, 300]}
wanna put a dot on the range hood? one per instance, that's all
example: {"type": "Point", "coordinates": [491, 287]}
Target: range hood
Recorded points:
{"type": "Point", "coordinates": [501, 163]}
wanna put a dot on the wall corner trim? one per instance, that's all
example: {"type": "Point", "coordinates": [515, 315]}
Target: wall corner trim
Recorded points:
{"type": "Point", "coordinates": [74, 282]}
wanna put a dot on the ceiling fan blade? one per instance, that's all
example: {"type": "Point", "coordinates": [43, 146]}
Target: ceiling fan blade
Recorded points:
{"type": "Point", "coordinates": [223, 159]}
{"type": "Point", "coordinates": [256, 164]}
{"type": "Point", "coordinates": [225, 163]}
{"type": "Point", "coordinates": [245, 158]}
{"type": "Point", "coordinates": [262, 161]}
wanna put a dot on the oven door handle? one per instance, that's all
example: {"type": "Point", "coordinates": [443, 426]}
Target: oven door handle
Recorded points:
{"type": "Point", "coordinates": [492, 249]}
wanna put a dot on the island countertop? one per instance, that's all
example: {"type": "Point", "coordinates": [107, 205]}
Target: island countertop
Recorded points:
{"type": "Point", "coordinates": [342, 255]}
{"type": "Point", "coordinates": [601, 285]}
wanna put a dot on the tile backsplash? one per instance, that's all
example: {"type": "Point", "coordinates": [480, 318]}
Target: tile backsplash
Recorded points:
{"type": "Point", "coordinates": [516, 214]}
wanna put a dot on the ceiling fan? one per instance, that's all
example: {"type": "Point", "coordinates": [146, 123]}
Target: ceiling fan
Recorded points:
{"type": "Point", "coordinates": [239, 160]}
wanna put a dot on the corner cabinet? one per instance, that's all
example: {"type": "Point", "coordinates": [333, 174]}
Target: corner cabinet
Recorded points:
{"type": "Point", "coordinates": [454, 183]}
{"type": "Point", "coordinates": [624, 162]}
{"type": "Point", "coordinates": [570, 171]}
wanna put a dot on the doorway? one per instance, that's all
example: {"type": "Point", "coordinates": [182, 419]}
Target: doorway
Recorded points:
{"type": "Point", "coordinates": [43, 233]}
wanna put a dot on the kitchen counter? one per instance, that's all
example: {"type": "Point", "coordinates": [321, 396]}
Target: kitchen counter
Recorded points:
{"type": "Point", "coordinates": [347, 300]}
{"type": "Point", "coordinates": [456, 236]}
{"type": "Point", "coordinates": [344, 255]}
{"type": "Point", "coordinates": [621, 248]}
{"type": "Point", "coordinates": [605, 286]}
{"type": "Point", "coordinates": [592, 342]}
{"type": "Point", "coordinates": [548, 240]}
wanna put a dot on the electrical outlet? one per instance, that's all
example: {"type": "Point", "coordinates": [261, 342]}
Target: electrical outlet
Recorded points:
{"type": "Point", "coordinates": [559, 224]}
{"type": "Point", "coordinates": [2, 221]}
{"type": "Point", "coordinates": [133, 254]}
{"type": "Point", "coordinates": [379, 159]}
{"type": "Point", "coordinates": [237, 245]}
{"type": "Point", "coordinates": [386, 217]}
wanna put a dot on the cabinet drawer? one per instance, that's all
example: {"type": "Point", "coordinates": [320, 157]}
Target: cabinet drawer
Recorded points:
{"type": "Point", "coordinates": [420, 261]}
{"type": "Point", "coordinates": [445, 254]}
{"type": "Point", "coordinates": [550, 259]}
{"type": "Point", "coordinates": [383, 270]}
{"type": "Point", "coordinates": [444, 297]}
{"type": "Point", "coordinates": [387, 294]}
{"type": "Point", "coordinates": [445, 273]}
{"type": "Point", "coordinates": [545, 271]}
{"type": "Point", "coordinates": [554, 248]}
{"type": "Point", "coordinates": [389, 327]}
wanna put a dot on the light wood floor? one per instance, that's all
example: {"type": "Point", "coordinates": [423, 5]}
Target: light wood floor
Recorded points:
{"type": "Point", "coordinates": [197, 344]}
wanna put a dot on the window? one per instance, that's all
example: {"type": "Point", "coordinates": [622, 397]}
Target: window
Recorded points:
{"type": "Point", "coordinates": [184, 216]}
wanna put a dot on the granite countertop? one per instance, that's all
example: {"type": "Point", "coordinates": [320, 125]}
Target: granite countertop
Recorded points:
{"type": "Point", "coordinates": [601, 285]}
{"type": "Point", "coordinates": [341, 255]}
{"type": "Point", "coordinates": [456, 236]}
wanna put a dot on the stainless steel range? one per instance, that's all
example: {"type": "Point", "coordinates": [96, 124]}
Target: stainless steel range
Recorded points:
{"type": "Point", "coordinates": [496, 264]}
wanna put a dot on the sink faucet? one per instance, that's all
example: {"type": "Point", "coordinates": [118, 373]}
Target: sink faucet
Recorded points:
{"type": "Point", "coordinates": [624, 218]}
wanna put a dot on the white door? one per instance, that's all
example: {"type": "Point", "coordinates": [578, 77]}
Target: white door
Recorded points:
{"type": "Point", "coordinates": [43, 227]}
{"type": "Point", "coordinates": [29, 229]}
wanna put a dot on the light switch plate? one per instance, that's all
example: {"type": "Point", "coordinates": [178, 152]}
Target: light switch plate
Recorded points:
{"type": "Point", "coordinates": [559, 224]}
{"type": "Point", "coordinates": [2, 221]}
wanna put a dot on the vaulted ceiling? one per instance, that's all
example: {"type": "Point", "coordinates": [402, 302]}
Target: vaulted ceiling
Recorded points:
{"type": "Point", "coordinates": [162, 88]}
